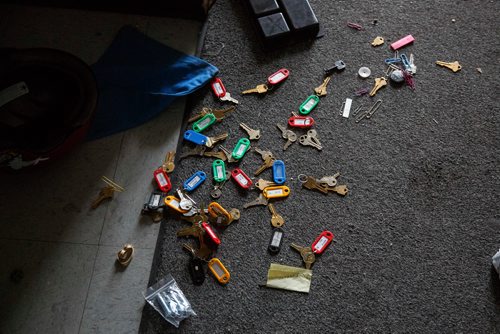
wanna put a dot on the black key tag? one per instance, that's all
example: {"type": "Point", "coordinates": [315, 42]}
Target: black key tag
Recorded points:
{"type": "Point", "coordinates": [275, 243]}
{"type": "Point", "coordinates": [197, 271]}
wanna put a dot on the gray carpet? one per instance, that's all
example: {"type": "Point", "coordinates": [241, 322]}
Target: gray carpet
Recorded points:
{"type": "Point", "coordinates": [415, 235]}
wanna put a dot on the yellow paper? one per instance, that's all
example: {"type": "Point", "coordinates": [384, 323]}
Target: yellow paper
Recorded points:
{"type": "Point", "coordinates": [289, 278]}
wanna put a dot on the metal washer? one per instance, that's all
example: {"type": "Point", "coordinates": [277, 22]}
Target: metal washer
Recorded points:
{"type": "Point", "coordinates": [364, 72]}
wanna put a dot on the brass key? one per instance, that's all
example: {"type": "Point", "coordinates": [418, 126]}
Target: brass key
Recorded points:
{"type": "Point", "coordinates": [261, 200]}
{"type": "Point", "coordinates": [268, 163]}
{"type": "Point", "coordinates": [216, 154]}
{"type": "Point", "coordinates": [199, 115]}
{"type": "Point", "coordinates": [263, 154]}
{"type": "Point", "coordinates": [105, 193]}
{"type": "Point", "coordinates": [309, 182]}
{"type": "Point", "coordinates": [331, 181]}
{"type": "Point", "coordinates": [213, 140]}
{"type": "Point", "coordinates": [228, 154]}
{"type": "Point", "coordinates": [321, 89]}
{"type": "Point", "coordinates": [276, 219]}
{"type": "Point", "coordinates": [261, 184]}
{"type": "Point", "coordinates": [306, 253]}
{"type": "Point", "coordinates": [455, 66]}
{"type": "Point", "coordinates": [379, 83]}
{"type": "Point", "coordinates": [252, 134]}
{"type": "Point", "coordinates": [193, 231]}
{"type": "Point", "coordinates": [260, 89]}
{"type": "Point", "coordinates": [220, 114]}
{"type": "Point", "coordinates": [341, 189]}
{"type": "Point", "coordinates": [168, 165]}
{"type": "Point", "coordinates": [197, 150]}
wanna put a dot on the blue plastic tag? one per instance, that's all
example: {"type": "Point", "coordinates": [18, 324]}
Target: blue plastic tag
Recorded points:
{"type": "Point", "coordinates": [194, 181]}
{"type": "Point", "coordinates": [279, 172]}
{"type": "Point", "coordinates": [195, 137]}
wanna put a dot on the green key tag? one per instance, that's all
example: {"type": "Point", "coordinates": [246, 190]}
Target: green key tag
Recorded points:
{"type": "Point", "coordinates": [241, 148]}
{"type": "Point", "coordinates": [219, 169]}
{"type": "Point", "coordinates": [309, 104]}
{"type": "Point", "coordinates": [204, 122]}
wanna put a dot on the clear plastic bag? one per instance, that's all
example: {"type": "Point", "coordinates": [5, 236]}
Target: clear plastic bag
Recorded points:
{"type": "Point", "coordinates": [167, 298]}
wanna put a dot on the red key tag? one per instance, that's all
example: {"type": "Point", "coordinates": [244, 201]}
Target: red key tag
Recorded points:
{"type": "Point", "coordinates": [241, 178]}
{"type": "Point", "coordinates": [162, 180]}
{"type": "Point", "coordinates": [211, 233]}
{"type": "Point", "coordinates": [301, 121]}
{"type": "Point", "coordinates": [218, 87]}
{"type": "Point", "coordinates": [278, 76]}
{"type": "Point", "coordinates": [319, 245]}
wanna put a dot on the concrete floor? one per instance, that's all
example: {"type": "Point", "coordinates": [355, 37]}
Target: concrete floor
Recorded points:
{"type": "Point", "coordinates": [66, 251]}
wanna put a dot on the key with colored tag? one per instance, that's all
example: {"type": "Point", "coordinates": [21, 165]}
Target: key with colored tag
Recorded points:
{"type": "Point", "coordinates": [174, 203]}
{"type": "Point", "coordinates": [279, 172]}
{"type": "Point", "coordinates": [309, 104]}
{"type": "Point", "coordinates": [194, 181]}
{"type": "Point", "coordinates": [210, 232]}
{"type": "Point", "coordinates": [204, 123]}
{"type": "Point", "coordinates": [242, 146]}
{"type": "Point", "coordinates": [276, 192]}
{"type": "Point", "coordinates": [219, 170]}
{"type": "Point", "coordinates": [322, 241]}
{"type": "Point", "coordinates": [219, 271]}
{"type": "Point", "coordinates": [301, 122]}
{"type": "Point", "coordinates": [218, 214]}
{"type": "Point", "coordinates": [241, 178]}
{"type": "Point", "coordinates": [220, 91]}
{"type": "Point", "coordinates": [162, 180]}
{"type": "Point", "coordinates": [275, 242]}
{"type": "Point", "coordinates": [195, 137]}
{"type": "Point", "coordinates": [278, 77]}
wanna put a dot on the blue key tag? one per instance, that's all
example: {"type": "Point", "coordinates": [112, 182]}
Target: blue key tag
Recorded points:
{"type": "Point", "coordinates": [195, 137]}
{"type": "Point", "coordinates": [279, 172]}
{"type": "Point", "coordinates": [194, 181]}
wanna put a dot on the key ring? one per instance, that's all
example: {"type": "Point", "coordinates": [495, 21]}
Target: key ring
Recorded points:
{"type": "Point", "coordinates": [302, 178]}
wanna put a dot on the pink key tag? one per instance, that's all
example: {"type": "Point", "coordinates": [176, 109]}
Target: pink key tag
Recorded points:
{"type": "Point", "coordinates": [278, 76]}
{"type": "Point", "coordinates": [402, 42]}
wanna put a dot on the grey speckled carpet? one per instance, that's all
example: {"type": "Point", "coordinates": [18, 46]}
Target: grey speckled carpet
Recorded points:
{"type": "Point", "coordinates": [415, 235]}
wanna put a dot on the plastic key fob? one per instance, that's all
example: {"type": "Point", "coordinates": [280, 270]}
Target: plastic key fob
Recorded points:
{"type": "Point", "coordinates": [279, 172]}
{"type": "Point", "coordinates": [204, 122]}
{"type": "Point", "coordinates": [216, 211]}
{"type": "Point", "coordinates": [301, 122]}
{"type": "Point", "coordinates": [195, 137]}
{"type": "Point", "coordinates": [218, 87]}
{"type": "Point", "coordinates": [309, 104]}
{"type": "Point", "coordinates": [162, 180]}
{"type": "Point", "coordinates": [241, 178]}
{"type": "Point", "coordinates": [194, 181]}
{"type": "Point", "coordinates": [219, 169]}
{"type": "Point", "coordinates": [210, 232]}
{"type": "Point", "coordinates": [275, 242]}
{"type": "Point", "coordinates": [241, 148]}
{"type": "Point", "coordinates": [276, 192]}
{"type": "Point", "coordinates": [402, 42]}
{"type": "Point", "coordinates": [156, 201]}
{"type": "Point", "coordinates": [174, 203]}
{"type": "Point", "coordinates": [322, 241]}
{"type": "Point", "coordinates": [197, 271]}
{"type": "Point", "coordinates": [219, 271]}
{"type": "Point", "coordinates": [278, 76]}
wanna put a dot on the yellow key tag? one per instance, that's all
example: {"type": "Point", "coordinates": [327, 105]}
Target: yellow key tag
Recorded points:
{"type": "Point", "coordinates": [276, 192]}
{"type": "Point", "coordinates": [215, 210]}
{"type": "Point", "coordinates": [174, 203]}
{"type": "Point", "coordinates": [219, 271]}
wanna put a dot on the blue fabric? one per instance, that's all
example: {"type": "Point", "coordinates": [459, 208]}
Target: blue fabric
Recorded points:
{"type": "Point", "coordinates": [138, 77]}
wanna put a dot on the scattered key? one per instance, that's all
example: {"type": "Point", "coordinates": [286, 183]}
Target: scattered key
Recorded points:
{"type": "Point", "coordinates": [413, 68]}
{"type": "Point", "coordinates": [215, 154]}
{"type": "Point", "coordinates": [290, 139]}
{"type": "Point", "coordinates": [310, 183]}
{"type": "Point", "coordinates": [105, 193]}
{"type": "Point", "coordinates": [228, 154]}
{"type": "Point", "coordinates": [338, 66]}
{"type": "Point", "coordinates": [341, 189]}
{"type": "Point", "coordinates": [185, 203]}
{"type": "Point", "coordinates": [378, 41]}
{"type": "Point", "coordinates": [228, 97]}
{"type": "Point", "coordinates": [306, 253]}
{"type": "Point", "coordinates": [197, 150]}
{"type": "Point", "coordinates": [259, 89]}
{"type": "Point", "coordinates": [311, 139]}
{"type": "Point", "coordinates": [276, 219]}
{"type": "Point", "coordinates": [252, 134]}
{"type": "Point", "coordinates": [455, 66]}
{"type": "Point", "coordinates": [220, 114]}
{"type": "Point", "coordinates": [328, 180]}
{"type": "Point", "coordinates": [321, 89]}
{"type": "Point", "coordinates": [268, 163]}
{"type": "Point", "coordinates": [220, 91]}
{"type": "Point", "coordinates": [261, 200]}
{"type": "Point", "coordinates": [217, 191]}
{"type": "Point", "coordinates": [211, 141]}
{"type": "Point", "coordinates": [262, 184]}
{"type": "Point", "coordinates": [379, 83]}
{"type": "Point", "coordinates": [168, 165]}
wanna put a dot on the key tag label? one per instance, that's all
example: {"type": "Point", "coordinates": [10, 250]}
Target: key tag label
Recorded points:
{"type": "Point", "coordinates": [322, 241]}
{"type": "Point", "coordinates": [219, 271]}
{"type": "Point", "coordinates": [204, 123]}
{"type": "Point", "coordinates": [275, 242]}
{"type": "Point", "coordinates": [162, 180]}
{"type": "Point", "coordinates": [210, 232]}
{"type": "Point", "coordinates": [241, 148]}
{"type": "Point", "coordinates": [279, 172]}
{"type": "Point", "coordinates": [174, 203]}
{"type": "Point", "coordinates": [218, 87]}
{"type": "Point", "coordinates": [197, 271]}
{"type": "Point", "coordinates": [215, 210]}
{"type": "Point", "coordinates": [278, 76]}
{"type": "Point", "coordinates": [194, 181]}
{"type": "Point", "coordinates": [309, 104]}
{"type": "Point", "coordinates": [241, 178]}
{"type": "Point", "coordinates": [195, 137]}
{"type": "Point", "coordinates": [301, 122]}
{"type": "Point", "coordinates": [219, 169]}
{"type": "Point", "coordinates": [156, 201]}
{"type": "Point", "coordinates": [276, 192]}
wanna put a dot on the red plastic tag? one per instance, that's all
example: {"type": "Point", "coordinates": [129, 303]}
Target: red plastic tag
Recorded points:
{"type": "Point", "coordinates": [218, 87]}
{"type": "Point", "coordinates": [162, 180]}
{"type": "Point", "coordinates": [301, 121]}
{"type": "Point", "coordinates": [211, 233]}
{"type": "Point", "coordinates": [241, 178]}
{"type": "Point", "coordinates": [322, 241]}
{"type": "Point", "coordinates": [278, 76]}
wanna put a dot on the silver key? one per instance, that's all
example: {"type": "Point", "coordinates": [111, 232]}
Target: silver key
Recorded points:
{"type": "Point", "coordinates": [413, 68]}
{"type": "Point", "coordinates": [228, 154]}
{"type": "Point", "coordinates": [217, 192]}
{"type": "Point", "coordinates": [291, 138]}
{"type": "Point", "coordinates": [283, 130]}
{"type": "Point", "coordinates": [311, 139]}
{"type": "Point", "coordinates": [227, 97]}
{"type": "Point", "coordinates": [198, 150]}
{"type": "Point", "coordinates": [330, 181]}
{"type": "Point", "coordinates": [261, 200]}
{"type": "Point", "coordinates": [263, 154]}
{"type": "Point", "coordinates": [186, 202]}
{"type": "Point", "coordinates": [252, 134]}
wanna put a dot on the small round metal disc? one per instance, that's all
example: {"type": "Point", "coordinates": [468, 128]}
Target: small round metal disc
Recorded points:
{"type": "Point", "coordinates": [364, 72]}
